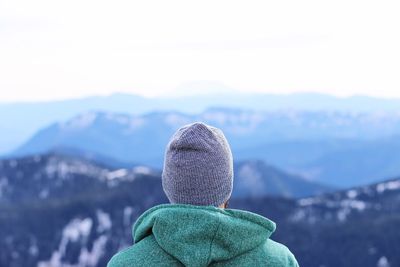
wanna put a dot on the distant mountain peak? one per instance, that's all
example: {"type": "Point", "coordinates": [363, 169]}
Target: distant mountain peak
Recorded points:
{"type": "Point", "coordinates": [83, 120]}
{"type": "Point", "coordinates": [196, 88]}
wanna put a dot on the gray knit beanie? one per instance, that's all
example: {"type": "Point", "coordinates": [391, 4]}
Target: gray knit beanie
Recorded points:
{"type": "Point", "coordinates": [198, 166]}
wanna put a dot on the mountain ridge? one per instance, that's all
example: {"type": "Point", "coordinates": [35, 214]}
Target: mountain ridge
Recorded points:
{"type": "Point", "coordinates": [38, 171]}
{"type": "Point", "coordinates": [20, 120]}
{"type": "Point", "coordinates": [320, 146]}
{"type": "Point", "coordinates": [85, 228]}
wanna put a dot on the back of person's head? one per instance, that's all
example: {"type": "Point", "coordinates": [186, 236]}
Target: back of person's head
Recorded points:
{"type": "Point", "coordinates": [198, 166]}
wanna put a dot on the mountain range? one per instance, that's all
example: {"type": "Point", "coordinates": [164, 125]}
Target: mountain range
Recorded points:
{"type": "Point", "coordinates": [58, 210]}
{"type": "Point", "coordinates": [341, 149]}
{"type": "Point", "coordinates": [21, 120]}
{"type": "Point", "coordinates": [53, 176]}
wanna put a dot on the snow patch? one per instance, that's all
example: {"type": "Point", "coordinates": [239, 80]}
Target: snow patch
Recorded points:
{"type": "Point", "coordinates": [65, 168]}
{"type": "Point", "coordinates": [392, 185]}
{"type": "Point", "coordinates": [91, 258]}
{"type": "Point", "coordinates": [217, 117]}
{"type": "Point", "coordinates": [307, 201]}
{"type": "Point", "coordinates": [175, 119]}
{"type": "Point", "coordinates": [299, 215]}
{"type": "Point", "coordinates": [354, 204]}
{"type": "Point", "coordinates": [342, 214]}
{"type": "Point", "coordinates": [142, 170]}
{"type": "Point", "coordinates": [352, 193]}
{"type": "Point", "coordinates": [77, 229]}
{"type": "Point", "coordinates": [117, 174]}
{"type": "Point", "coordinates": [134, 124]}
{"type": "Point", "coordinates": [33, 250]}
{"type": "Point", "coordinates": [120, 119]}
{"type": "Point", "coordinates": [82, 121]}
{"type": "Point", "coordinates": [104, 221]}
{"type": "Point", "coordinates": [383, 262]}
{"type": "Point", "coordinates": [128, 211]}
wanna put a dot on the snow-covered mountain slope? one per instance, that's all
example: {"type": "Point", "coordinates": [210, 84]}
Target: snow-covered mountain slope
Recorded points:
{"type": "Point", "coordinates": [88, 209]}
{"type": "Point", "coordinates": [341, 149]}
{"type": "Point", "coordinates": [54, 176]}
{"type": "Point", "coordinates": [20, 120]}
{"type": "Point", "coordinates": [56, 209]}
{"type": "Point", "coordinates": [354, 227]}
{"type": "Point", "coordinates": [57, 176]}
{"type": "Point", "coordinates": [380, 198]}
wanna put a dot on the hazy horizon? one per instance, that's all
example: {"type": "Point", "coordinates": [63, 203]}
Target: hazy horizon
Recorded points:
{"type": "Point", "coordinates": [179, 93]}
{"type": "Point", "coordinates": [58, 50]}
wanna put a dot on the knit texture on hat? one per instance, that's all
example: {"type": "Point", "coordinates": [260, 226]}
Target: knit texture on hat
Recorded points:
{"type": "Point", "coordinates": [198, 166]}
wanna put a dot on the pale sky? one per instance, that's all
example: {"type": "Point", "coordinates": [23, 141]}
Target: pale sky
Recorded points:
{"type": "Point", "coordinates": [52, 49]}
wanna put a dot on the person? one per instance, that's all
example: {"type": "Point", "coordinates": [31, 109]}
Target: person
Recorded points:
{"type": "Point", "coordinates": [196, 228]}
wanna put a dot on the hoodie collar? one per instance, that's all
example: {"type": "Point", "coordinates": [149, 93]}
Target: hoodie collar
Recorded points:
{"type": "Point", "coordinates": [199, 235]}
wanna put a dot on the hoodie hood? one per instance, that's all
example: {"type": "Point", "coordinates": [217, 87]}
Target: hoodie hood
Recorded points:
{"type": "Point", "coordinates": [200, 235]}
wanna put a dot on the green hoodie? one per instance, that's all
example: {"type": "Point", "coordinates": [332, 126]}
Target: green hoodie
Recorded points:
{"type": "Point", "coordinates": [198, 236]}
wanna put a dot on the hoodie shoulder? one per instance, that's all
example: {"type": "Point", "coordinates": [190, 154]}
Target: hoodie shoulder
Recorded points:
{"type": "Point", "coordinates": [144, 253]}
{"type": "Point", "coordinates": [271, 254]}
{"type": "Point", "coordinates": [278, 254]}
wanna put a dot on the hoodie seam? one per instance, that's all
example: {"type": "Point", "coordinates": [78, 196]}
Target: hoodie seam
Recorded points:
{"type": "Point", "coordinates": [212, 241]}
